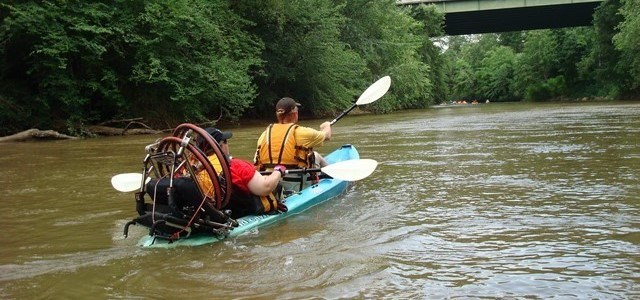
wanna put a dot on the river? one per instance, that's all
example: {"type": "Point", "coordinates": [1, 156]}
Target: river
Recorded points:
{"type": "Point", "coordinates": [489, 200]}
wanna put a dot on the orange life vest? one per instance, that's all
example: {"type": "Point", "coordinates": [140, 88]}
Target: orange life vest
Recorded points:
{"type": "Point", "coordinates": [279, 147]}
{"type": "Point", "coordinates": [206, 186]}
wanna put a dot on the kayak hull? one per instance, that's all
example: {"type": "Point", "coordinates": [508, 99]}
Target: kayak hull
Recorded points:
{"type": "Point", "coordinates": [324, 190]}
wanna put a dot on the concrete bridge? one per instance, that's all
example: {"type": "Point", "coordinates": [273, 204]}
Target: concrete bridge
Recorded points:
{"type": "Point", "coordinates": [483, 16]}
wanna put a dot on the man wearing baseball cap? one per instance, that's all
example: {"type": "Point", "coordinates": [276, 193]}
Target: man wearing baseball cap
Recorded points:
{"type": "Point", "coordinates": [288, 144]}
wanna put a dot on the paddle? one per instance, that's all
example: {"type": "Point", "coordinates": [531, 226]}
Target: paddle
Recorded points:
{"type": "Point", "coordinates": [127, 182]}
{"type": "Point", "coordinates": [347, 170]}
{"type": "Point", "coordinates": [371, 94]}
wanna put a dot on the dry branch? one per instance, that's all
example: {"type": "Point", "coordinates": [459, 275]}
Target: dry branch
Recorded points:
{"type": "Point", "coordinates": [120, 121]}
{"type": "Point", "coordinates": [104, 130]}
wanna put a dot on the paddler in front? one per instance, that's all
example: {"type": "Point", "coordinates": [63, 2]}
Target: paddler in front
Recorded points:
{"type": "Point", "coordinates": [288, 144]}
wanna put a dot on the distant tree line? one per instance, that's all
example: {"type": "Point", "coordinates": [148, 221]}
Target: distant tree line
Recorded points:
{"type": "Point", "coordinates": [68, 64]}
{"type": "Point", "coordinates": [600, 61]}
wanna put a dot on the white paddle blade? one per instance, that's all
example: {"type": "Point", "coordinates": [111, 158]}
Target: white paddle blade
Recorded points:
{"type": "Point", "coordinates": [127, 182]}
{"type": "Point", "coordinates": [375, 91]}
{"type": "Point", "coordinates": [351, 170]}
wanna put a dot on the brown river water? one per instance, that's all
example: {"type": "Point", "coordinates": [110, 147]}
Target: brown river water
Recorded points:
{"type": "Point", "coordinates": [481, 201]}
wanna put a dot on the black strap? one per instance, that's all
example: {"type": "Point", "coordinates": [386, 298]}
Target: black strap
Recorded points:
{"type": "Point", "coordinates": [269, 141]}
{"type": "Point", "coordinates": [284, 141]}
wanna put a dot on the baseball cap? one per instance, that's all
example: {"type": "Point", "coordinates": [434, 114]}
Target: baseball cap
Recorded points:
{"type": "Point", "coordinates": [218, 135]}
{"type": "Point", "coordinates": [285, 105]}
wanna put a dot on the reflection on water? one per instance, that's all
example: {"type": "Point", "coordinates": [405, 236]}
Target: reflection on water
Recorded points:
{"type": "Point", "coordinates": [498, 200]}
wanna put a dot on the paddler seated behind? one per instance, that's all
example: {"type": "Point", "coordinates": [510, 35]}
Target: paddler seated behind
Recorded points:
{"type": "Point", "coordinates": [288, 144]}
{"type": "Point", "coordinates": [253, 193]}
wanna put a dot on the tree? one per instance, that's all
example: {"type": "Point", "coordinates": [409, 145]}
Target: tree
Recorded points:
{"type": "Point", "coordinates": [603, 66]}
{"type": "Point", "coordinates": [537, 68]}
{"type": "Point", "coordinates": [496, 74]}
{"type": "Point", "coordinates": [432, 21]}
{"type": "Point", "coordinates": [513, 40]}
{"type": "Point", "coordinates": [390, 40]}
{"type": "Point", "coordinates": [81, 62]}
{"type": "Point", "coordinates": [192, 60]}
{"type": "Point", "coordinates": [53, 64]}
{"type": "Point", "coordinates": [628, 39]}
{"type": "Point", "coordinates": [304, 55]}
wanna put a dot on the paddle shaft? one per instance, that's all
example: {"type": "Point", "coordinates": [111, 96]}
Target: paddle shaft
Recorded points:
{"type": "Point", "coordinates": [344, 113]}
{"type": "Point", "coordinates": [371, 94]}
{"type": "Point", "coordinates": [295, 171]}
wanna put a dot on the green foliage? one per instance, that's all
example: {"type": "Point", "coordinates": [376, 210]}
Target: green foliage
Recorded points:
{"type": "Point", "coordinates": [68, 64]}
{"type": "Point", "coordinates": [431, 54]}
{"type": "Point", "coordinates": [324, 53]}
{"type": "Point", "coordinates": [603, 66]}
{"type": "Point", "coordinates": [304, 55]}
{"type": "Point", "coordinates": [460, 77]}
{"type": "Point", "coordinates": [542, 65]}
{"type": "Point", "coordinates": [547, 89]}
{"type": "Point", "coordinates": [53, 61]}
{"type": "Point", "coordinates": [496, 73]}
{"type": "Point", "coordinates": [192, 58]}
{"type": "Point", "coordinates": [72, 63]}
{"type": "Point", "coordinates": [541, 53]}
{"type": "Point", "coordinates": [513, 40]}
{"type": "Point", "coordinates": [465, 68]}
{"type": "Point", "coordinates": [387, 39]}
{"type": "Point", "coordinates": [627, 40]}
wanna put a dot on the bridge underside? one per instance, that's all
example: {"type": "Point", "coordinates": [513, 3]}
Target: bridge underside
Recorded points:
{"type": "Point", "coordinates": [521, 18]}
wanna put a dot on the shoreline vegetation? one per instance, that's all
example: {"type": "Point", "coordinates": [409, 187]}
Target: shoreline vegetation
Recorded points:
{"type": "Point", "coordinates": [70, 69]}
{"type": "Point", "coordinates": [137, 126]}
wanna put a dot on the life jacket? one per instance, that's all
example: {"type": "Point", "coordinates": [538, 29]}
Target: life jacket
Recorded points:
{"type": "Point", "coordinates": [279, 147]}
{"type": "Point", "coordinates": [206, 186]}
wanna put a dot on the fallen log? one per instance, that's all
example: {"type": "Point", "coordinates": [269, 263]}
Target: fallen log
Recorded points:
{"type": "Point", "coordinates": [111, 131]}
{"type": "Point", "coordinates": [36, 134]}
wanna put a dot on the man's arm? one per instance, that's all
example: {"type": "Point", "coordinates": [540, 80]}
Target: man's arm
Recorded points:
{"type": "Point", "coordinates": [263, 185]}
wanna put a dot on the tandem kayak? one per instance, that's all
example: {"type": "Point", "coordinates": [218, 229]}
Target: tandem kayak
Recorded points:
{"type": "Point", "coordinates": [326, 189]}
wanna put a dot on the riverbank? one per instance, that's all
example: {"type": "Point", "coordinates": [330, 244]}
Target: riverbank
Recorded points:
{"type": "Point", "coordinates": [138, 126]}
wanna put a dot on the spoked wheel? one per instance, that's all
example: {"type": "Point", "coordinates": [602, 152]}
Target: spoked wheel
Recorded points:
{"type": "Point", "coordinates": [210, 149]}
{"type": "Point", "coordinates": [187, 160]}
